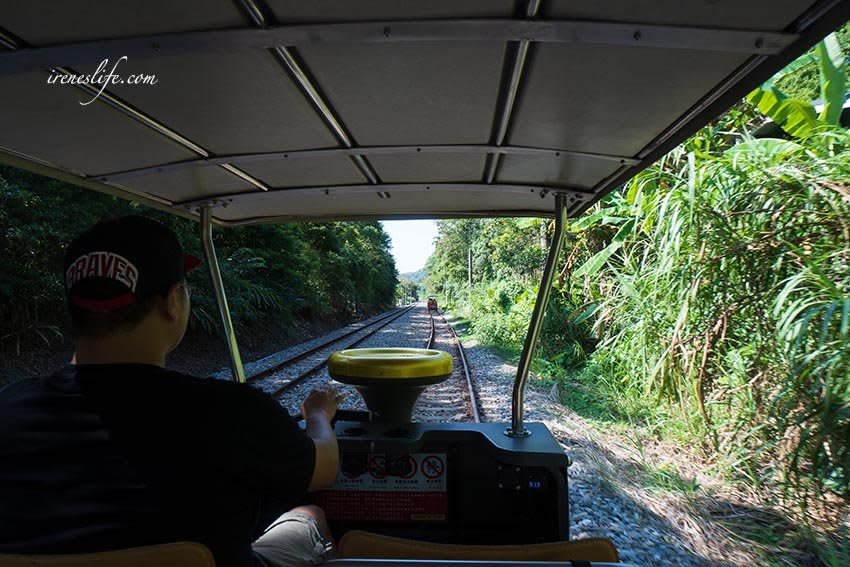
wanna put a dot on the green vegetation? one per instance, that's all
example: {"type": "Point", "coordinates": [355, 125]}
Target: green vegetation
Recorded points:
{"type": "Point", "coordinates": [410, 286]}
{"type": "Point", "coordinates": [801, 79]}
{"type": "Point", "coordinates": [708, 302]}
{"type": "Point", "coordinates": [798, 117]}
{"type": "Point", "coordinates": [416, 277]}
{"type": "Point", "coordinates": [309, 270]}
{"type": "Point", "coordinates": [666, 477]}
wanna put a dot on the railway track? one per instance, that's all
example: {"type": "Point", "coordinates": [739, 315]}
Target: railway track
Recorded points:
{"type": "Point", "coordinates": [293, 377]}
{"type": "Point", "coordinates": [439, 403]}
{"type": "Point", "coordinates": [295, 369]}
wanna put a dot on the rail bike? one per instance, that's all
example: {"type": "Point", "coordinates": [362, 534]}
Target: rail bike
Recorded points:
{"type": "Point", "coordinates": [269, 111]}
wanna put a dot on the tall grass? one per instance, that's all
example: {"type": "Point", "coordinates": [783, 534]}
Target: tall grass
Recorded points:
{"type": "Point", "coordinates": [728, 301]}
{"type": "Point", "coordinates": [710, 298]}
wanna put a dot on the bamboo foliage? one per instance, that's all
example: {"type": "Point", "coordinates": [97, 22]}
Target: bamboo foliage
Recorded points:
{"type": "Point", "coordinates": [711, 296]}
{"type": "Point", "coordinates": [731, 300]}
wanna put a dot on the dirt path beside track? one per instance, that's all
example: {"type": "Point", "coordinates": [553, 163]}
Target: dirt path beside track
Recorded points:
{"type": "Point", "coordinates": [655, 501]}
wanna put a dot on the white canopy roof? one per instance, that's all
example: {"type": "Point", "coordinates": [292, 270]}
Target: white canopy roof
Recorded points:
{"type": "Point", "coordinates": [333, 109]}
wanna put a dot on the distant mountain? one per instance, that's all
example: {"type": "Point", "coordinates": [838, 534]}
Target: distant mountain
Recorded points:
{"type": "Point", "coordinates": [416, 277]}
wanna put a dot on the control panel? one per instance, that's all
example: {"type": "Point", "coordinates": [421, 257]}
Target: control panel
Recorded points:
{"type": "Point", "coordinates": [462, 483]}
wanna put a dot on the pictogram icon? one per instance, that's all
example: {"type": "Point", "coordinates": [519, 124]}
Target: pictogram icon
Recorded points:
{"type": "Point", "coordinates": [433, 466]}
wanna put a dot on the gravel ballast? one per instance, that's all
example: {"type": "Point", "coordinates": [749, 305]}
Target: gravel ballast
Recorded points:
{"type": "Point", "coordinates": [648, 529]}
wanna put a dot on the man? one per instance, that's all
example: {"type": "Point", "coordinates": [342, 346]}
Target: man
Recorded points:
{"type": "Point", "coordinates": [115, 451]}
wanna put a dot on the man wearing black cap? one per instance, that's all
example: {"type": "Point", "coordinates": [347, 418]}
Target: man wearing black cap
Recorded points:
{"type": "Point", "coordinates": [115, 451]}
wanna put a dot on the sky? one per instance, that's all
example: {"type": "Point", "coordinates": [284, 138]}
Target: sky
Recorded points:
{"type": "Point", "coordinates": [412, 243]}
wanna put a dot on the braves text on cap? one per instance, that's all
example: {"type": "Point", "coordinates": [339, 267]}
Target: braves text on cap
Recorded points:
{"type": "Point", "coordinates": [102, 264]}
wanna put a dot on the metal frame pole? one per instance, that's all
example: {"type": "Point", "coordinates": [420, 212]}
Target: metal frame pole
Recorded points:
{"type": "Point", "coordinates": [220, 297]}
{"type": "Point", "coordinates": [517, 429]}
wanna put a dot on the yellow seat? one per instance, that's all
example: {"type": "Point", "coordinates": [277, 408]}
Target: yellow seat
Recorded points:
{"type": "Point", "coordinates": [359, 544]}
{"type": "Point", "coordinates": [179, 554]}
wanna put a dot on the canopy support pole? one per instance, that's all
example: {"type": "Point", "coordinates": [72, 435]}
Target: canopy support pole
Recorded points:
{"type": "Point", "coordinates": [517, 428]}
{"type": "Point", "coordinates": [220, 297]}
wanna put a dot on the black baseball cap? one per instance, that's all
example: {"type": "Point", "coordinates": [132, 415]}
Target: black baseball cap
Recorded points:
{"type": "Point", "coordinates": [123, 261]}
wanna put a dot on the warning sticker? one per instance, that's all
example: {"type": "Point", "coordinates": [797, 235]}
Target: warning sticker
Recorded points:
{"type": "Point", "coordinates": [383, 507]}
{"type": "Point", "coordinates": [416, 472]}
{"type": "Point", "coordinates": [376, 487]}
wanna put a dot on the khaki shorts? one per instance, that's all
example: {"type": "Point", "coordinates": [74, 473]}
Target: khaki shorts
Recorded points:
{"type": "Point", "coordinates": [293, 540]}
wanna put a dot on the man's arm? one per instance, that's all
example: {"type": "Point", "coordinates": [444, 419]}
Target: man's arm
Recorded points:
{"type": "Point", "coordinates": [327, 453]}
{"type": "Point", "coordinates": [318, 409]}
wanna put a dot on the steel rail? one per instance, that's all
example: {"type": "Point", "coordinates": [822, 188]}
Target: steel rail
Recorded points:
{"type": "Point", "coordinates": [473, 397]}
{"type": "Point", "coordinates": [473, 402]}
{"type": "Point", "coordinates": [432, 335]}
{"type": "Point", "coordinates": [305, 374]}
{"type": "Point", "coordinates": [467, 374]}
{"type": "Point", "coordinates": [313, 350]}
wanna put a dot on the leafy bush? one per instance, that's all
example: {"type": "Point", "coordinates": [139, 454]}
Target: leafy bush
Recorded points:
{"type": "Point", "coordinates": [727, 299]}
{"type": "Point", "coordinates": [326, 270]}
{"type": "Point", "coordinates": [711, 297]}
{"type": "Point", "coordinates": [502, 310]}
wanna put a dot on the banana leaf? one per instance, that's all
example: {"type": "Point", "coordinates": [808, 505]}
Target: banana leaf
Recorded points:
{"type": "Point", "coordinates": [831, 62]}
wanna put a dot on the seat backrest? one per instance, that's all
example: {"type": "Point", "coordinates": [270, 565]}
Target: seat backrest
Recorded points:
{"type": "Point", "coordinates": [360, 544]}
{"type": "Point", "coordinates": [179, 554]}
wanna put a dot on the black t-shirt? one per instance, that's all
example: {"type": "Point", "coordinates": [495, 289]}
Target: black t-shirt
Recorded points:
{"type": "Point", "coordinates": [101, 457]}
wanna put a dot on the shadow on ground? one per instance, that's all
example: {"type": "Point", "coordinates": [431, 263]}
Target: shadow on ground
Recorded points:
{"type": "Point", "coordinates": [655, 515]}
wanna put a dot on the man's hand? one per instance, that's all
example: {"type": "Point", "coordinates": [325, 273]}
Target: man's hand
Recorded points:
{"type": "Point", "coordinates": [324, 398]}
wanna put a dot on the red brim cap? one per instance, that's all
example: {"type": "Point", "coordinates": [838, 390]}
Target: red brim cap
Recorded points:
{"type": "Point", "coordinates": [190, 262]}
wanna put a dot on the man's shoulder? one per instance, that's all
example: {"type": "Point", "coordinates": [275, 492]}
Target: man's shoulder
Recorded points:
{"type": "Point", "coordinates": [217, 385]}
{"type": "Point", "coordinates": [34, 385]}
{"type": "Point", "coordinates": [163, 395]}
{"type": "Point", "coordinates": [145, 379]}
{"type": "Point", "coordinates": [232, 395]}
{"type": "Point", "coordinates": [130, 372]}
